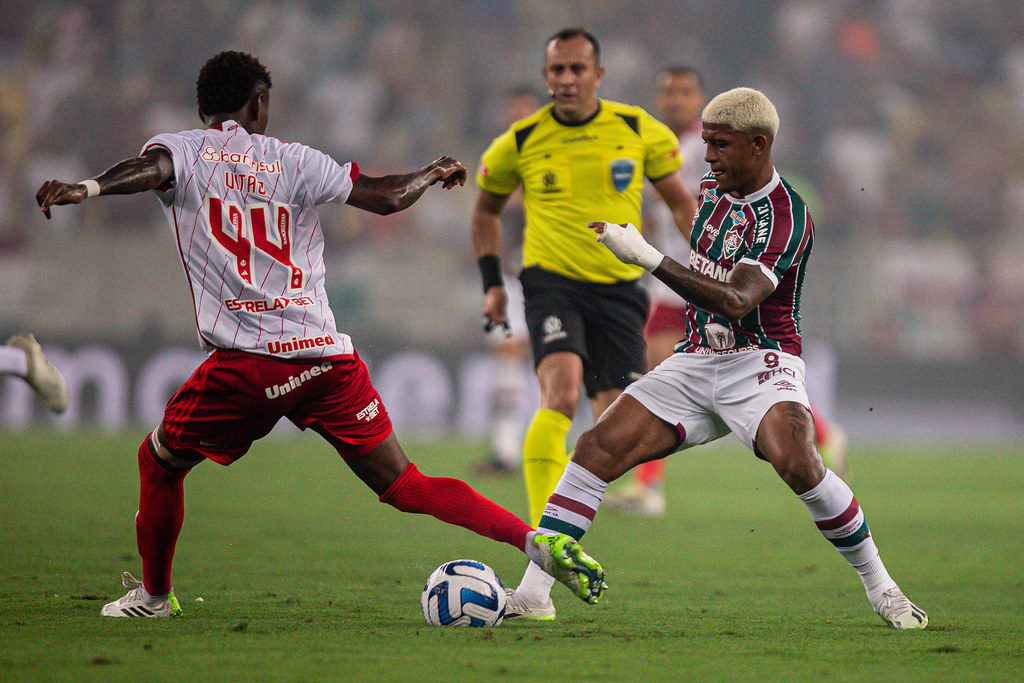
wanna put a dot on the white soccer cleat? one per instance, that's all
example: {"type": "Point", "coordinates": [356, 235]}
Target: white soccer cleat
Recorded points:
{"type": "Point", "coordinates": [134, 603]}
{"type": "Point", "coordinates": [898, 611]}
{"type": "Point", "coordinates": [637, 500]}
{"type": "Point", "coordinates": [41, 375]}
{"type": "Point", "coordinates": [517, 607]}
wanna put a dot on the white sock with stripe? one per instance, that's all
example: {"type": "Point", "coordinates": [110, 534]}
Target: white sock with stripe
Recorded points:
{"type": "Point", "coordinates": [570, 510]}
{"type": "Point", "coordinates": [838, 516]}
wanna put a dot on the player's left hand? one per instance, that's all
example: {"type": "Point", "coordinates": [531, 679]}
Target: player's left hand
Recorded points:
{"type": "Point", "coordinates": [452, 172]}
{"type": "Point", "coordinates": [628, 245]}
{"type": "Point", "coordinates": [54, 192]}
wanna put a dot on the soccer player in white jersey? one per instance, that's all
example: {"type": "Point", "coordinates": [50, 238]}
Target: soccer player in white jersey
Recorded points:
{"type": "Point", "coordinates": [242, 207]}
{"type": "Point", "coordinates": [679, 99]}
{"type": "Point", "coordinates": [22, 357]}
{"type": "Point", "coordinates": [738, 368]}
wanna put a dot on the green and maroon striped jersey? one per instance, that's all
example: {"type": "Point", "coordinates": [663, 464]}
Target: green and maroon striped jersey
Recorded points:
{"type": "Point", "coordinates": [770, 228]}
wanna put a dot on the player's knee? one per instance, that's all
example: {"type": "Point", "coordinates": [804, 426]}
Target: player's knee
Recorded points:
{"type": "Point", "coordinates": [802, 470]}
{"type": "Point", "coordinates": [169, 459]}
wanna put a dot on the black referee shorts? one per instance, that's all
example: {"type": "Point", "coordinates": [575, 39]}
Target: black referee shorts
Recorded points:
{"type": "Point", "coordinates": [602, 324]}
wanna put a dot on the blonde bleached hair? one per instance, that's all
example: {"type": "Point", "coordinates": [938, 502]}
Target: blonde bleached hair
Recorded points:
{"type": "Point", "coordinates": [745, 110]}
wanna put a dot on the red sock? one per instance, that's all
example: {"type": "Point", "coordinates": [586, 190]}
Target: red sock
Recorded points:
{"type": "Point", "coordinates": [455, 502]}
{"type": "Point", "coordinates": [158, 521]}
{"type": "Point", "coordinates": [820, 426]}
{"type": "Point", "coordinates": [651, 473]}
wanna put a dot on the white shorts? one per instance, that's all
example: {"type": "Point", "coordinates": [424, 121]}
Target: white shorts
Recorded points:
{"type": "Point", "coordinates": [706, 397]}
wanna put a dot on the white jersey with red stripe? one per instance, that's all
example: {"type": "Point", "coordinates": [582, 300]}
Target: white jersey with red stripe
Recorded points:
{"type": "Point", "coordinates": [243, 210]}
{"type": "Point", "coordinates": [660, 228]}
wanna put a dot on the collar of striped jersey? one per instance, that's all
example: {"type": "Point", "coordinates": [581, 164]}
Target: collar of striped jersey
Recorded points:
{"type": "Point", "coordinates": [760, 194]}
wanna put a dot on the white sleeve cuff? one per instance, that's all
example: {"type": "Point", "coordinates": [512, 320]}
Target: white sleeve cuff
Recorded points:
{"type": "Point", "coordinates": [768, 272]}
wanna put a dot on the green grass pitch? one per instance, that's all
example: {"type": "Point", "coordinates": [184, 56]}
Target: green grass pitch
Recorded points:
{"type": "Point", "coordinates": [304, 576]}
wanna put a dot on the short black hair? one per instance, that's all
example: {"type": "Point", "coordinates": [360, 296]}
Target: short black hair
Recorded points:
{"type": "Point", "coordinates": [227, 81]}
{"type": "Point", "coordinates": [577, 32]}
{"type": "Point", "coordinates": [683, 70]}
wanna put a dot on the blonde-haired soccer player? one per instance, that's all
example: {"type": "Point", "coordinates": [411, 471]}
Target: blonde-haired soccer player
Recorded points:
{"type": "Point", "coordinates": [739, 368]}
{"type": "Point", "coordinates": [680, 99]}
{"type": "Point", "coordinates": [576, 158]}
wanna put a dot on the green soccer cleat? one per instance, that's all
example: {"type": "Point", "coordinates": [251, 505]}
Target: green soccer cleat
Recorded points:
{"type": "Point", "coordinates": [134, 604]}
{"type": "Point", "coordinates": [563, 558]}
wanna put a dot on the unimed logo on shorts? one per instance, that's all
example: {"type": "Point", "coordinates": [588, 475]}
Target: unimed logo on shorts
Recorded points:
{"type": "Point", "coordinates": [370, 411]}
{"type": "Point", "coordinates": [296, 382]}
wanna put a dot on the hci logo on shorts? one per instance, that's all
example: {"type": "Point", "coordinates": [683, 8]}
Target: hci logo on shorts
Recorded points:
{"type": "Point", "coordinates": [622, 173]}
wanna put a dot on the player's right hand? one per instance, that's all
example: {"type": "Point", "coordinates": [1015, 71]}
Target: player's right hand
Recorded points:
{"type": "Point", "coordinates": [54, 192]}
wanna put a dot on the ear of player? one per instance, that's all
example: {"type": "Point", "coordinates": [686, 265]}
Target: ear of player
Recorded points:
{"type": "Point", "coordinates": [627, 244]}
{"type": "Point", "coordinates": [563, 558]}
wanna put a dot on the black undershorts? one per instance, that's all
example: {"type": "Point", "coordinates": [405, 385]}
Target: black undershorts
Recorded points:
{"type": "Point", "coordinates": [601, 323]}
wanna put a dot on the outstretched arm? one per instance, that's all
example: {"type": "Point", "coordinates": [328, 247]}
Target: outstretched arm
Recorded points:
{"type": "Point", "coordinates": [392, 193]}
{"type": "Point", "coordinates": [744, 288]}
{"type": "Point", "coordinates": [138, 174]}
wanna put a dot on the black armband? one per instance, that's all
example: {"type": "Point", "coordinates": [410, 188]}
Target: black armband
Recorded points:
{"type": "Point", "coordinates": [490, 270]}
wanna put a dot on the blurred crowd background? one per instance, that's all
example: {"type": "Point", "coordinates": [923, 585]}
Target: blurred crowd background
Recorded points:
{"type": "Point", "coordinates": [901, 125]}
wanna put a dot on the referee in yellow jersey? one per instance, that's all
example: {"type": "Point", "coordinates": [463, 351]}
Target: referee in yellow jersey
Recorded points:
{"type": "Point", "coordinates": [578, 159]}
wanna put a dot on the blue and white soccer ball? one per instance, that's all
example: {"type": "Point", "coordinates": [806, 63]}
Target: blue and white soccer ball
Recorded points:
{"type": "Point", "coordinates": [463, 593]}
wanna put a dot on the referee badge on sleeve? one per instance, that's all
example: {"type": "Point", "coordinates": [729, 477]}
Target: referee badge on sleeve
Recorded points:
{"type": "Point", "coordinates": [622, 173]}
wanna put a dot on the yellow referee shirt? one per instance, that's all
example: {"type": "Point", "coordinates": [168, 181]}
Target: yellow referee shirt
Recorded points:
{"type": "Point", "coordinates": [574, 174]}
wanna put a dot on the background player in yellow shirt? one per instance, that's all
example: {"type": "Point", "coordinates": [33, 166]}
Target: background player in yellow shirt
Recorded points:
{"type": "Point", "coordinates": [578, 159]}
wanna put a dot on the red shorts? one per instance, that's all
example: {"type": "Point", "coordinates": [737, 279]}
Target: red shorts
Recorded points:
{"type": "Point", "coordinates": [234, 398]}
{"type": "Point", "coordinates": [666, 318]}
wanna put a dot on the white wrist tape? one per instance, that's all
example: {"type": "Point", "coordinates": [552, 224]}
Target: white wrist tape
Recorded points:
{"type": "Point", "coordinates": [92, 188]}
{"type": "Point", "coordinates": [629, 246]}
{"type": "Point", "coordinates": [650, 258]}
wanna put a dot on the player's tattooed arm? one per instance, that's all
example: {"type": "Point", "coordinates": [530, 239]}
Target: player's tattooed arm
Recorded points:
{"type": "Point", "coordinates": [137, 174]}
{"type": "Point", "coordinates": [745, 287]}
{"type": "Point", "coordinates": [392, 193]}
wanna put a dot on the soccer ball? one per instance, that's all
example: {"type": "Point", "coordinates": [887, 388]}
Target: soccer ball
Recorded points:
{"type": "Point", "coordinates": [463, 593]}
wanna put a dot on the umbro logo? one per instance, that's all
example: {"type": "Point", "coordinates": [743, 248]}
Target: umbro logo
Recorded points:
{"type": "Point", "coordinates": [785, 385]}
